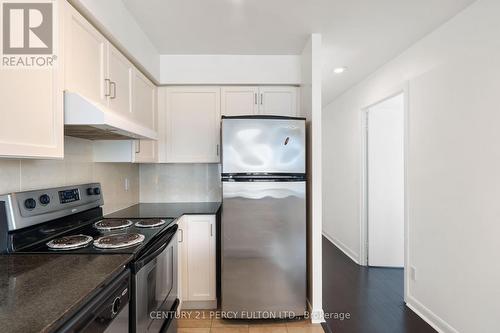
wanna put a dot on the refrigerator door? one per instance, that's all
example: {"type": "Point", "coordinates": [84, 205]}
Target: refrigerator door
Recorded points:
{"type": "Point", "coordinates": [263, 145]}
{"type": "Point", "coordinates": [264, 248]}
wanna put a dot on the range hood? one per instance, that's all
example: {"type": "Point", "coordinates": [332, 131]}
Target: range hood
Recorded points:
{"type": "Point", "coordinates": [87, 120]}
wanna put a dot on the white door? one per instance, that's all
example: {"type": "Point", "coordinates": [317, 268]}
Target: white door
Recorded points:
{"type": "Point", "coordinates": [278, 101]}
{"type": "Point", "coordinates": [239, 101]}
{"type": "Point", "coordinates": [193, 122]}
{"type": "Point", "coordinates": [385, 157]}
{"type": "Point", "coordinates": [85, 56]}
{"type": "Point", "coordinates": [119, 82]}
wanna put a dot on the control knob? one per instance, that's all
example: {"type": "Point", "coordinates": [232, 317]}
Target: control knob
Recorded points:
{"type": "Point", "coordinates": [30, 203]}
{"type": "Point", "coordinates": [97, 190]}
{"type": "Point", "coordinates": [44, 199]}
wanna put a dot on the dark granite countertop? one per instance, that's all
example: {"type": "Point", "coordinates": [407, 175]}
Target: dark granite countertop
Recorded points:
{"type": "Point", "coordinates": [39, 292]}
{"type": "Point", "coordinates": [166, 210]}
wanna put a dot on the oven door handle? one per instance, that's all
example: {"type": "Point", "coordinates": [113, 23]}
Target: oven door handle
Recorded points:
{"type": "Point", "coordinates": [144, 260]}
{"type": "Point", "coordinates": [148, 256]}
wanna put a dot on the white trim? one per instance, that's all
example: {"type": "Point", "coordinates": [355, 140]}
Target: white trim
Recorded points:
{"type": "Point", "coordinates": [317, 316]}
{"type": "Point", "coordinates": [430, 317]}
{"type": "Point", "coordinates": [363, 215]}
{"type": "Point", "coordinates": [406, 272]}
{"type": "Point", "coordinates": [342, 247]}
{"type": "Point", "coordinates": [402, 89]}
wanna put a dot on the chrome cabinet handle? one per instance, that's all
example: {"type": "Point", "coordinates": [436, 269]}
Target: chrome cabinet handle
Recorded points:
{"type": "Point", "coordinates": [108, 89]}
{"type": "Point", "coordinates": [261, 99]}
{"type": "Point", "coordinates": [138, 147]}
{"type": "Point", "coordinates": [211, 230]}
{"type": "Point", "coordinates": [182, 236]}
{"type": "Point", "coordinates": [112, 83]}
{"type": "Point", "coordinates": [255, 98]}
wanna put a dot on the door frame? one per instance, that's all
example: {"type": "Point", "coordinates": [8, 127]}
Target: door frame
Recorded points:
{"type": "Point", "coordinates": [363, 255]}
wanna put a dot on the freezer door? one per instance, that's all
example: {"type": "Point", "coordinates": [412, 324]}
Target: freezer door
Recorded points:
{"type": "Point", "coordinates": [264, 249]}
{"type": "Point", "coordinates": [257, 145]}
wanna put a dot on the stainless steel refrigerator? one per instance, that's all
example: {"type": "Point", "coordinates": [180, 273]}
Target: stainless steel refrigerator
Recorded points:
{"type": "Point", "coordinates": [263, 217]}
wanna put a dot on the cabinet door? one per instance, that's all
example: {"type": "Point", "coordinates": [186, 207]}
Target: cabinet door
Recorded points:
{"type": "Point", "coordinates": [31, 108]}
{"type": "Point", "coordinates": [145, 151]}
{"type": "Point", "coordinates": [278, 101]}
{"type": "Point", "coordinates": [85, 57]}
{"type": "Point", "coordinates": [143, 100]}
{"type": "Point", "coordinates": [239, 101]}
{"type": "Point", "coordinates": [193, 122]}
{"type": "Point", "coordinates": [200, 257]}
{"type": "Point", "coordinates": [119, 81]}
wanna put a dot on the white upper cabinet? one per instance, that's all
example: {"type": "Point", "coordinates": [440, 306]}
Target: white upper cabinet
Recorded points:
{"type": "Point", "coordinates": [143, 100]}
{"type": "Point", "coordinates": [31, 108]}
{"type": "Point", "coordinates": [239, 101]}
{"type": "Point", "coordinates": [145, 112]}
{"type": "Point", "coordinates": [146, 151]}
{"type": "Point", "coordinates": [85, 57]}
{"type": "Point", "coordinates": [264, 100]}
{"type": "Point", "coordinates": [278, 101]}
{"type": "Point", "coordinates": [192, 124]}
{"type": "Point", "coordinates": [100, 72]}
{"type": "Point", "coordinates": [118, 82]}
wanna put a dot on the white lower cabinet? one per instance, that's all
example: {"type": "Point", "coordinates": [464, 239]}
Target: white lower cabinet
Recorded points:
{"type": "Point", "coordinates": [197, 264]}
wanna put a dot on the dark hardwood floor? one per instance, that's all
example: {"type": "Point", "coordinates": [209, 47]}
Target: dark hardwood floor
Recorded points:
{"type": "Point", "coordinates": [372, 296]}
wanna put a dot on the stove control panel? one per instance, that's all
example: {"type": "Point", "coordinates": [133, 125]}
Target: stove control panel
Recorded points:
{"type": "Point", "coordinates": [29, 208]}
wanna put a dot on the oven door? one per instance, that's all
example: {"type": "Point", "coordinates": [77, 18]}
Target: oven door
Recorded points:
{"type": "Point", "coordinates": [155, 288]}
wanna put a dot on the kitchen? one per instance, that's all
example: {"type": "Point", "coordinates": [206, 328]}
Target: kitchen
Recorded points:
{"type": "Point", "coordinates": [218, 166]}
{"type": "Point", "coordinates": [117, 182]}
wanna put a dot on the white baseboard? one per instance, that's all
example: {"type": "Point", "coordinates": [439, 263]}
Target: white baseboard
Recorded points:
{"type": "Point", "coordinates": [317, 316]}
{"type": "Point", "coordinates": [199, 305]}
{"type": "Point", "coordinates": [428, 316]}
{"type": "Point", "coordinates": [342, 247]}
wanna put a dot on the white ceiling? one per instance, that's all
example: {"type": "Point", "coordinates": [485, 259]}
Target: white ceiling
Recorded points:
{"type": "Point", "coordinates": [359, 34]}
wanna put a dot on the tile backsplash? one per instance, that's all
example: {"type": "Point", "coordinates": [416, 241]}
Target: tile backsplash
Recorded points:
{"type": "Point", "coordinates": [146, 182]}
{"type": "Point", "coordinates": [180, 183]}
{"type": "Point", "coordinates": [77, 167]}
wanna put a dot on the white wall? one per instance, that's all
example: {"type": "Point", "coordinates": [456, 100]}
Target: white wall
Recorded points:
{"type": "Point", "coordinates": [453, 80]}
{"type": "Point", "coordinates": [116, 22]}
{"type": "Point", "coordinates": [76, 168]}
{"type": "Point", "coordinates": [311, 110]}
{"type": "Point", "coordinates": [180, 183]}
{"type": "Point", "coordinates": [230, 69]}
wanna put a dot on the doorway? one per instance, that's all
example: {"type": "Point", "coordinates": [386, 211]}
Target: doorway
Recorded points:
{"type": "Point", "coordinates": [385, 182]}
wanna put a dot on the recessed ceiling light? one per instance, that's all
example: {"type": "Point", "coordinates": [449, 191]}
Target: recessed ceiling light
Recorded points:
{"type": "Point", "coordinates": [339, 70]}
